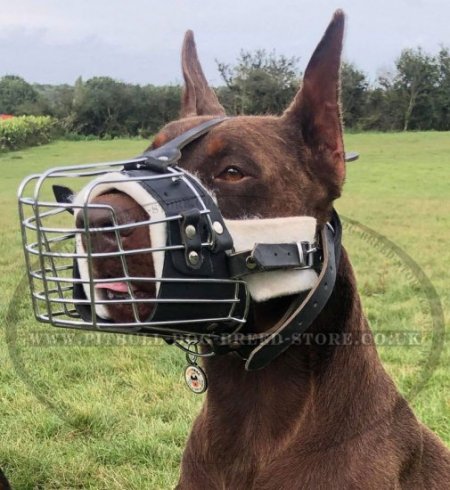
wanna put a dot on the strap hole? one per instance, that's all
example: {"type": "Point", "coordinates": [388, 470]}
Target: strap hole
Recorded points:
{"type": "Point", "coordinates": [276, 255]}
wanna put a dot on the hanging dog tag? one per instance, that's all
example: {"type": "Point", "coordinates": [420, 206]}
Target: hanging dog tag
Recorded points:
{"type": "Point", "coordinates": [194, 375]}
{"type": "Point", "coordinates": [195, 378]}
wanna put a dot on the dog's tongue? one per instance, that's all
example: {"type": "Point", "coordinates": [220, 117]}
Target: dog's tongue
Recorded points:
{"type": "Point", "coordinates": [119, 287]}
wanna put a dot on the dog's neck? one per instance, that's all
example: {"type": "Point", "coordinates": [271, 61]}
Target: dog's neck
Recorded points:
{"type": "Point", "coordinates": [321, 393]}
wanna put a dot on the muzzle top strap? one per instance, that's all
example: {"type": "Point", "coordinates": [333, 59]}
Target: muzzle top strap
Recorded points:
{"type": "Point", "coordinates": [170, 153]}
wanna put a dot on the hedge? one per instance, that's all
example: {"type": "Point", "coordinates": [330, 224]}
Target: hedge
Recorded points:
{"type": "Point", "coordinates": [20, 132]}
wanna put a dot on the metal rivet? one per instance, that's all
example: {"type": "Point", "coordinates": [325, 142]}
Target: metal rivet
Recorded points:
{"type": "Point", "coordinates": [193, 257]}
{"type": "Point", "coordinates": [190, 231]}
{"type": "Point", "coordinates": [218, 228]}
{"type": "Point", "coordinates": [250, 262]}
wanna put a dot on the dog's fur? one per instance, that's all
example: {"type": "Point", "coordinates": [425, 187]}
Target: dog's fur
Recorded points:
{"type": "Point", "coordinates": [4, 485]}
{"type": "Point", "coordinates": [318, 417]}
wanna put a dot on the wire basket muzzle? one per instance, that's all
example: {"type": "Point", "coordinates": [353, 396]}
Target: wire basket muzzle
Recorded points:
{"type": "Point", "coordinates": [193, 292]}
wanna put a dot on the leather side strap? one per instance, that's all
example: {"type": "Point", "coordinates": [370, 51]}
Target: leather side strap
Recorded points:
{"type": "Point", "coordinates": [294, 323]}
{"type": "Point", "coordinates": [272, 256]}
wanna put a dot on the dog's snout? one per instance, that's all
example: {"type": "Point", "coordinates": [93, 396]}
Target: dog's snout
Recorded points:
{"type": "Point", "coordinates": [108, 211]}
{"type": "Point", "coordinates": [104, 215]}
{"type": "Point", "coordinates": [111, 222]}
{"type": "Point", "coordinates": [96, 217]}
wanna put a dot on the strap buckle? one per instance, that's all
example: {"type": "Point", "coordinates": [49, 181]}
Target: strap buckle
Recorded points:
{"type": "Point", "coordinates": [273, 256]}
{"type": "Point", "coordinates": [306, 251]}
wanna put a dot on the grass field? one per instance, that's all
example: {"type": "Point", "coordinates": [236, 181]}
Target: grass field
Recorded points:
{"type": "Point", "coordinates": [76, 412]}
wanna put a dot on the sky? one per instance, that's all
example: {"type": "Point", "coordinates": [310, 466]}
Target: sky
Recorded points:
{"type": "Point", "coordinates": [138, 41]}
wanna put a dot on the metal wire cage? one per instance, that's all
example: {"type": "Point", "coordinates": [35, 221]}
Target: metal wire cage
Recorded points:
{"type": "Point", "coordinates": [51, 243]}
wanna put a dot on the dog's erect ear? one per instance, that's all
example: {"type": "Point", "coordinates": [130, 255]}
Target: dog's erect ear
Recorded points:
{"type": "Point", "coordinates": [315, 109]}
{"type": "Point", "coordinates": [198, 97]}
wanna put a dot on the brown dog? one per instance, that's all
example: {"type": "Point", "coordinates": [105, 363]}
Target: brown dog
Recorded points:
{"type": "Point", "coordinates": [318, 417]}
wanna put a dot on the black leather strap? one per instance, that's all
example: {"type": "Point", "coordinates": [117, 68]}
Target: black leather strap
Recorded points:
{"type": "Point", "coordinates": [271, 256]}
{"type": "Point", "coordinates": [299, 318]}
{"type": "Point", "coordinates": [192, 243]}
{"type": "Point", "coordinates": [170, 153]}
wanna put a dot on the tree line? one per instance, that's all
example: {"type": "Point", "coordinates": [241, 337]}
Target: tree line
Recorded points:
{"type": "Point", "coordinates": [415, 95]}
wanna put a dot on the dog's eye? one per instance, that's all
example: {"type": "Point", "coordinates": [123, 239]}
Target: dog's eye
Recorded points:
{"type": "Point", "coordinates": [231, 174]}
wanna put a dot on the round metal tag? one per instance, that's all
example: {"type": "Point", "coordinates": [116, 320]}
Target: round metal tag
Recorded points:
{"type": "Point", "coordinates": [195, 378]}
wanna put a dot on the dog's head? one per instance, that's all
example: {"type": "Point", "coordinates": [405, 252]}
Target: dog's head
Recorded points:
{"type": "Point", "coordinates": [269, 166]}
{"type": "Point", "coordinates": [262, 166]}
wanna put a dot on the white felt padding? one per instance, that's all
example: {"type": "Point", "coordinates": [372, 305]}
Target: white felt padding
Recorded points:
{"type": "Point", "coordinates": [266, 285]}
{"type": "Point", "coordinates": [158, 233]}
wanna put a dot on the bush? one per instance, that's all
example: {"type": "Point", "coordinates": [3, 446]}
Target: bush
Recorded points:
{"type": "Point", "coordinates": [68, 136]}
{"type": "Point", "coordinates": [20, 132]}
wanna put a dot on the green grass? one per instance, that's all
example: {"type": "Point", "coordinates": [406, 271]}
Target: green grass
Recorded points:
{"type": "Point", "coordinates": [98, 416]}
